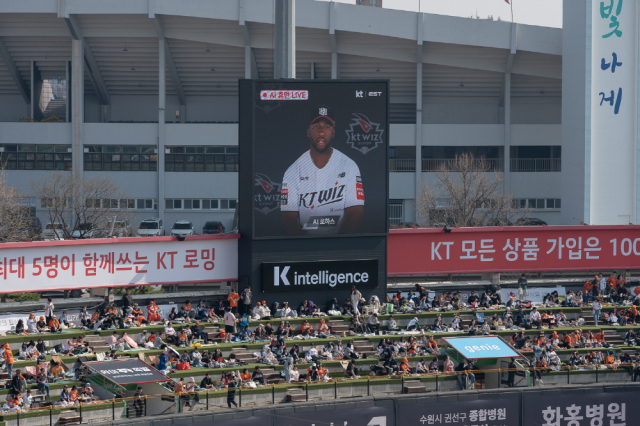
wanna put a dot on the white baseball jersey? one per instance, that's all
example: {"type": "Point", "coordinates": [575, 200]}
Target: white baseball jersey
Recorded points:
{"type": "Point", "coordinates": [320, 196]}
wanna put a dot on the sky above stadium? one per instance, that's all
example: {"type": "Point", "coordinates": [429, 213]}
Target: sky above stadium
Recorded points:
{"type": "Point", "coordinates": [546, 13]}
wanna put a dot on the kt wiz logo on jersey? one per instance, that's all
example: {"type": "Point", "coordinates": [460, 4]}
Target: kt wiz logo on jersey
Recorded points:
{"type": "Point", "coordinates": [322, 198]}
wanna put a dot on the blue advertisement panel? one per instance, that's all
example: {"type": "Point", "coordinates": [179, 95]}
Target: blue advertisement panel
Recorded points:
{"type": "Point", "coordinates": [482, 347]}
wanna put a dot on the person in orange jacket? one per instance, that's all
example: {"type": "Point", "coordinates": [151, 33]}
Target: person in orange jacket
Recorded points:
{"type": "Point", "coordinates": [8, 359]}
{"type": "Point", "coordinates": [152, 312]}
{"type": "Point", "coordinates": [233, 299]}
{"type": "Point", "coordinates": [305, 328]}
{"type": "Point", "coordinates": [54, 324]}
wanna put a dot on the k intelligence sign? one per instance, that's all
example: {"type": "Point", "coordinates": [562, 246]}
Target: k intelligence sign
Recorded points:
{"type": "Point", "coordinates": [321, 275]}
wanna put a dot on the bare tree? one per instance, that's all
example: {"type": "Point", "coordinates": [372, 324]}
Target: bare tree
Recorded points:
{"type": "Point", "coordinates": [89, 206]}
{"type": "Point", "coordinates": [15, 216]}
{"type": "Point", "coordinates": [468, 191]}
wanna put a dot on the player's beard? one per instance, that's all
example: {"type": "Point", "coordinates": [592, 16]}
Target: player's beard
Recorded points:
{"type": "Point", "coordinates": [321, 150]}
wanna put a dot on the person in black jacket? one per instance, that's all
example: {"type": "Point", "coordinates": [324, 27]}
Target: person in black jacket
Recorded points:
{"type": "Point", "coordinates": [257, 376]}
{"type": "Point", "coordinates": [197, 331]}
{"type": "Point", "coordinates": [511, 375]}
{"type": "Point", "coordinates": [463, 370]}
{"type": "Point", "coordinates": [140, 401]}
{"type": "Point", "coordinates": [206, 382]}
{"type": "Point", "coordinates": [231, 393]}
{"type": "Point", "coordinates": [127, 301]}
{"type": "Point", "coordinates": [18, 382]}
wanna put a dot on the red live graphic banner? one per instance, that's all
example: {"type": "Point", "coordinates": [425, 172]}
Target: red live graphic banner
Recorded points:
{"type": "Point", "coordinates": [509, 249]}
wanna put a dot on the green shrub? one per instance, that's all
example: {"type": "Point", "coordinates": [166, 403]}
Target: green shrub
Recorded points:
{"type": "Point", "coordinates": [24, 297]}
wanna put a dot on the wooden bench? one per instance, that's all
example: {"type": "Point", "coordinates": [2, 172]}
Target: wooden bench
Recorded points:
{"type": "Point", "coordinates": [411, 388]}
{"type": "Point", "coordinates": [296, 395]}
{"type": "Point", "coordinates": [68, 418]}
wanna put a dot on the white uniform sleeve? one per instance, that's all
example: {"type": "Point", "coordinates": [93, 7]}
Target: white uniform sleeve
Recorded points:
{"type": "Point", "coordinates": [355, 190]}
{"type": "Point", "coordinates": [289, 190]}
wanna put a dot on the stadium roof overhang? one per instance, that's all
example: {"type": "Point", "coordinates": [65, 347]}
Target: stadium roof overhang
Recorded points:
{"type": "Point", "coordinates": [206, 43]}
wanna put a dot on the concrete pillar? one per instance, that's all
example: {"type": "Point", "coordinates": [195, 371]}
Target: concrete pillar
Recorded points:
{"type": "Point", "coordinates": [247, 62]}
{"type": "Point", "coordinates": [507, 133]}
{"type": "Point", "coordinates": [77, 103]}
{"type": "Point", "coordinates": [418, 141]}
{"type": "Point", "coordinates": [162, 84]}
{"type": "Point", "coordinates": [284, 63]}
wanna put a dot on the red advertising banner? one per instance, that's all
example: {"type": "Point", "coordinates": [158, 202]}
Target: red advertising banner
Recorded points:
{"type": "Point", "coordinates": [513, 249]}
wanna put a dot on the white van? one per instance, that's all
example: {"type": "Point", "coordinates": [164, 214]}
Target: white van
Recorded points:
{"type": "Point", "coordinates": [53, 231]}
{"type": "Point", "coordinates": [182, 228]}
{"type": "Point", "coordinates": [150, 227]}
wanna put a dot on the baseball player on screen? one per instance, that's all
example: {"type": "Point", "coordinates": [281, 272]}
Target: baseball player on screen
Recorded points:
{"type": "Point", "coordinates": [322, 190]}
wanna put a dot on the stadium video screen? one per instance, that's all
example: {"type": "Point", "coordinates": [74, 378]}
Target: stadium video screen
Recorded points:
{"type": "Point", "coordinates": [320, 158]}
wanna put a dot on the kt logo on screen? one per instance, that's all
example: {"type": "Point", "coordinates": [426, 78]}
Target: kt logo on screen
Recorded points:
{"type": "Point", "coordinates": [363, 134]}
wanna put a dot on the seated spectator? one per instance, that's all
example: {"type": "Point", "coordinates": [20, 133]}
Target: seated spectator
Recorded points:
{"type": "Point", "coordinates": [432, 346]}
{"type": "Point", "coordinates": [535, 318]}
{"type": "Point", "coordinates": [294, 374]}
{"type": "Point", "coordinates": [449, 366]}
{"type": "Point", "coordinates": [305, 328]}
{"type": "Point", "coordinates": [405, 368]}
{"type": "Point", "coordinates": [521, 318]}
{"type": "Point", "coordinates": [257, 376]}
{"type": "Point", "coordinates": [153, 312]}
{"type": "Point", "coordinates": [391, 324]}
{"type": "Point", "coordinates": [373, 324]}
{"type": "Point", "coordinates": [198, 333]}
{"type": "Point", "coordinates": [414, 324]}
{"type": "Point", "coordinates": [433, 366]}
{"type": "Point", "coordinates": [246, 334]}
{"type": "Point", "coordinates": [42, 326]}
{"type": "Point", "coordinates": [87, 392]}
{"type": "Point", "coordinates": [32, 324]}
{"type": "Point", "coordinates": [196, 358]}
{"type": "Point", "coordinates": [54, 324]}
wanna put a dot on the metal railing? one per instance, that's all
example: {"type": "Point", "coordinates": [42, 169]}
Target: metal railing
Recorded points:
{"type": "Point", "coordinates": [536, 164]}
{"type": "Point", "coordinates": [402, 165]}
{"type": "Point", "coordinates": [436, 164]}
{"type": "Point", "coordinates": [271, 394]}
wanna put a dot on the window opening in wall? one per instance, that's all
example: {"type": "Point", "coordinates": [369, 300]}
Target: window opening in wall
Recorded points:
{"type": "Point", "coordinates": [436, 157]}
{"type": "Point", "coordinates": [36, 156]}
{"type": "Point", "coordinates": [120, 158]}
{"type": "Point", "coordinates": [538, 203]}
{"type": "Point", "coordinates": [543, 158]}
{"type": "Point", "coordinates": [53, 98]}
{"type": "Point", "coordinates": [201, 159]}
{"type": "Point", "coordinates": [396, 213]}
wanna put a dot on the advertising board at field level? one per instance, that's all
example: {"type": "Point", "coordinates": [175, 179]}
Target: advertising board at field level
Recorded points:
{"type": "Point", "coordinates": [117, 262]}
{"type": "Point", "coordinates": [513, 249]}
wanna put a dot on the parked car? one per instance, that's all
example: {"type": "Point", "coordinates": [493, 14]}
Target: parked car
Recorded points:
{"type": "Point", "coordinates": [182, 228]}
{"type": "Point", "coordinates": [213, 227]}
{"type": "Point", "coordinates": [85, 230]}
{"type": "Point", "coordinates": [53, 231]}
{"type": "Point", "coordinates": [150, 227]}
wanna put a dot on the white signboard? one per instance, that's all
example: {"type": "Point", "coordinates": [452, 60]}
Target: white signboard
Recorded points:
{"type": "Point", "coordinates": [534, 294]}
{"type": "Point", "coordinates": [614, 110]}
{"type": "Point", "coordinates": [64, 265]}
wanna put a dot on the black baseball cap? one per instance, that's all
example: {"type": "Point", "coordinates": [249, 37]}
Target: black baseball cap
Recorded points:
{"type": "Point", "coordinates": [321, 112]}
